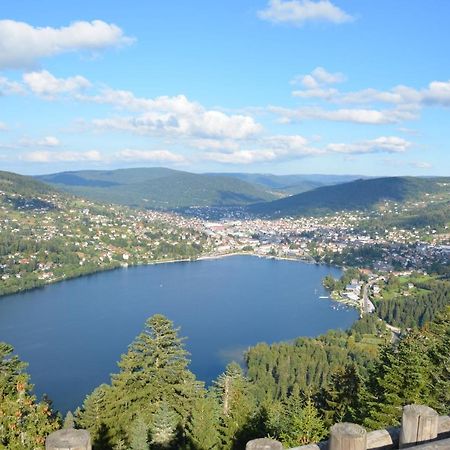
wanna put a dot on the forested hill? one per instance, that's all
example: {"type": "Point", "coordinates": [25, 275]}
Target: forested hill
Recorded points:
{"type": "Point", "coordinates": [355, 195]}
{"type": "Point", "coordinates": [158, 188]}
{"type": "Point", "coordinates": [19, 184]}
{"type": "Point", "coordinates": [290, 184]}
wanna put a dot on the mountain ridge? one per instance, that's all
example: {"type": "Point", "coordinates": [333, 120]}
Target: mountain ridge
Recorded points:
{"type": "Point", "coordinates": [359, 194]}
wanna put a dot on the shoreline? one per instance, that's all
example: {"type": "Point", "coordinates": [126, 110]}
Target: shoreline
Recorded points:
{"type": "Point", "coordinates": [205, 257]}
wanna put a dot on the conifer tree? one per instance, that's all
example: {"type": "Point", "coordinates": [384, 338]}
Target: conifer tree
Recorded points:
{"type": "Point", "coordinates": [296, 421]}
{"type": "Point", "coordinates": [139, 435]}
{"type": "Point", "coordinates": [237, 405]}
{"type": "Point", "coordinates": [94, 413]}
{"type": "Point", "coordinates": [439, 354]}
{"type": "Point", "coordinates": [69, 421]}
{"type": "Point", "coordinates": [343, 396]}
{"type": "Point", "coordinates": [401, 377]}
{"type": "Point", "coordinates": [164, 426]}
{"type": "Point", "coordinates": [153, 371]}
{"type": "Point", "coordinates": [24, 423]}
{"type": "Point", "coordinates": [203, 424]}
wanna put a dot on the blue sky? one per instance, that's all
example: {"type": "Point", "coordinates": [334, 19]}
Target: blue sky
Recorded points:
{"type": "Point", "coordinates": [280, 86]}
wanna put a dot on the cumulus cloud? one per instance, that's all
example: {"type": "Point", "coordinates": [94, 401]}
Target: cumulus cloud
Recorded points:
{"type": "Point", "coordinates": [319, 77]}
{"type": "Point", "coordinates": [360, 116]}
{"type": "Point", "coordinates": [298, 12]}
{"type": "Point", "coordinates": [52, 156]}
{"type": "Point", "coordinates": [211, 124]}
{"type": "Point", "coordinates": [22, 45]}
{"type": "Point", "coordinates": [290, 147]}
{"type": "Point", "coordinates": [316, 85]}
{"type": "Point", "coordinates": [47, 85]}
{"type": "Point", "coordinates": [149, 155]}
{"type": "Point", "coordinates": [47, 141]}
{"type": "Point", "coordinates": [269, 149]}
{"type": "Point", "coordinates": [383, 144]}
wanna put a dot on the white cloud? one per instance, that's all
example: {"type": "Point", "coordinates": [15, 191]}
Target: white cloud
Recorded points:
{"type": "Point", "coordinates": [360, 116]}
{"type": "Point", "coordinates": [271, 148]}
{"type": "Point", "coordinates": [47, 85]}
{"type": "Point", "coordinates": [421, 165]}
{"type": "Point", "coordinates": [198, 122]}
{"type": "Point", "coordinates": [22, 45]}
{"type": "Point", "coordinates": [52, 156]}
{"type": "Point", "coordinates": [319, 77]}
{"type": "Point", "coordinates": [383, 144]}
{"type": "Point", "coordinates": [149, 155]}
{"type": "Point", "coordinates": [298, 12]}
{"type": "Point", "coordinates": [3, 126]}
{"type": "Point", "coordinates": [241, 156]}
{"type": "Point", "coordinates": [315, 85]}
{"type": "Point", "coordinates": [47, 141]}
{"type": "Point", "coordinates": [8, 87]}
{"type": "Point", "coordinates": [437, 93]}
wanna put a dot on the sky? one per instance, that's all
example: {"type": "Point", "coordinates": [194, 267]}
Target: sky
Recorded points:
{"type": "Point", "coordinates": [268, 86]}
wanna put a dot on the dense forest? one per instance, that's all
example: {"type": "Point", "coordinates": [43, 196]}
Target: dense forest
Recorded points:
{"type": "Point", "coordinates": [415, 310]}
{"type": "Point", "coordinates": [292, 392]}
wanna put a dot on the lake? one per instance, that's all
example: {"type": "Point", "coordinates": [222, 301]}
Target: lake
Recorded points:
{"type": "Point", "coordinates": [72, 333]}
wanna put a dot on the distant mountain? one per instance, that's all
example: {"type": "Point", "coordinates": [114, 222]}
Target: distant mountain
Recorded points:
{"type": "Point", "coordinates": [359, 194]}
{"type": "Point", "coordinates": [290, 184]}
{"type": "Point", "coordinates": [158, 188]}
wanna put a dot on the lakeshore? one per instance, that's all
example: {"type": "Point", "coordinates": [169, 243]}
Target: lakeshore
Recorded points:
{"type": "Point", "coordinates": [256, 299]}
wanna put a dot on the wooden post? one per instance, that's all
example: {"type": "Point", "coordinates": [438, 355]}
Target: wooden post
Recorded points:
{"type": "Point", "coordinates": [347, 436]}
{"type": "Point", "coordinates": [419, 424]}
{"type": "Point", "coordinates": [264, 444]}
{"type": "Point", "coordinates": [68, 439]}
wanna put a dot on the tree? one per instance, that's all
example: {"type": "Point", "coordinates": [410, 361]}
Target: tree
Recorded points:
{"type": "Point", "coordinates": [342, 397]}
{"type": "Point", "coordinates": [203, 424]}
{"type": "Point", "coordinates": [439, 334]}
{"type": "Point", "coordinates": [69, 421]}
{"type": "Point", "coordinates": [24, 423]}
{"type": "Point", "coordinates": [401, 377]}
{"type": "Point", "coordinates": [153, 372]}
{"type": "Point", "coordinates": [139, 435]}
{"type": "Point", "coordinates": [164, 426]}
{"type": "Point", "coordinates": [233, 391]}
{"type": "Point", "coordinates": [296, 421]}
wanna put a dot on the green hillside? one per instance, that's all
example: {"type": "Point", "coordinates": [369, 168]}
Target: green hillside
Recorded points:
{"type": "Point", "coordinates": [12, 183]}
{"type": "Point", "coordinates": [158, 188]}
{"type": "Point", "coordinates": [359, 194]}
{"type": "Point", "coordinates": [290, 184]}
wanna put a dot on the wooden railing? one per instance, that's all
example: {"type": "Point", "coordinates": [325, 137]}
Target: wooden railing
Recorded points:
{"type": "Point", "coordinates": [422, 429]}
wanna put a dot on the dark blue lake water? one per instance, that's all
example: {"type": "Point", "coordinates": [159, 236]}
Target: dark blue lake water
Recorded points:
{"type": "Point", "coordinates": [73, 333]}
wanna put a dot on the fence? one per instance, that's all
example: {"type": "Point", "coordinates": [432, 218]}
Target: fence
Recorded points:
{"type": "Point", "coordinates": [422, 429]}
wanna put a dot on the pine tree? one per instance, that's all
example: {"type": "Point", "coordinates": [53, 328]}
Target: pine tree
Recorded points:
{"type": "Point", "coordinates": [401, 377]}
{"type": "Point", "coordinates": [343, 396]}
{"type": "Point", "coordinates": [139, 435]}
{"type": "Point", "coordinates": [296, 421]}
{"type": "Point", "coordinates": [24, 423]}
{"type": "Point", "coordinates": [439, 354]}
{"type": "Point", "coordinates": [203, 424]}
{"type": "Point", "coordinates": [152, 371]}
{"type": "Point", "coordinates": [94, 415]}
{"type": "Point", "coordinates": [69, 421]}
{"type": "Point", "coordinates": [164, 426]}
{"type": "Point", "coordinates": [237, 403]}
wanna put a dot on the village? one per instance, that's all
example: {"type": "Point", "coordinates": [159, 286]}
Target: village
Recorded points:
{"type": "Point", "coordinates": [56, 237]}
